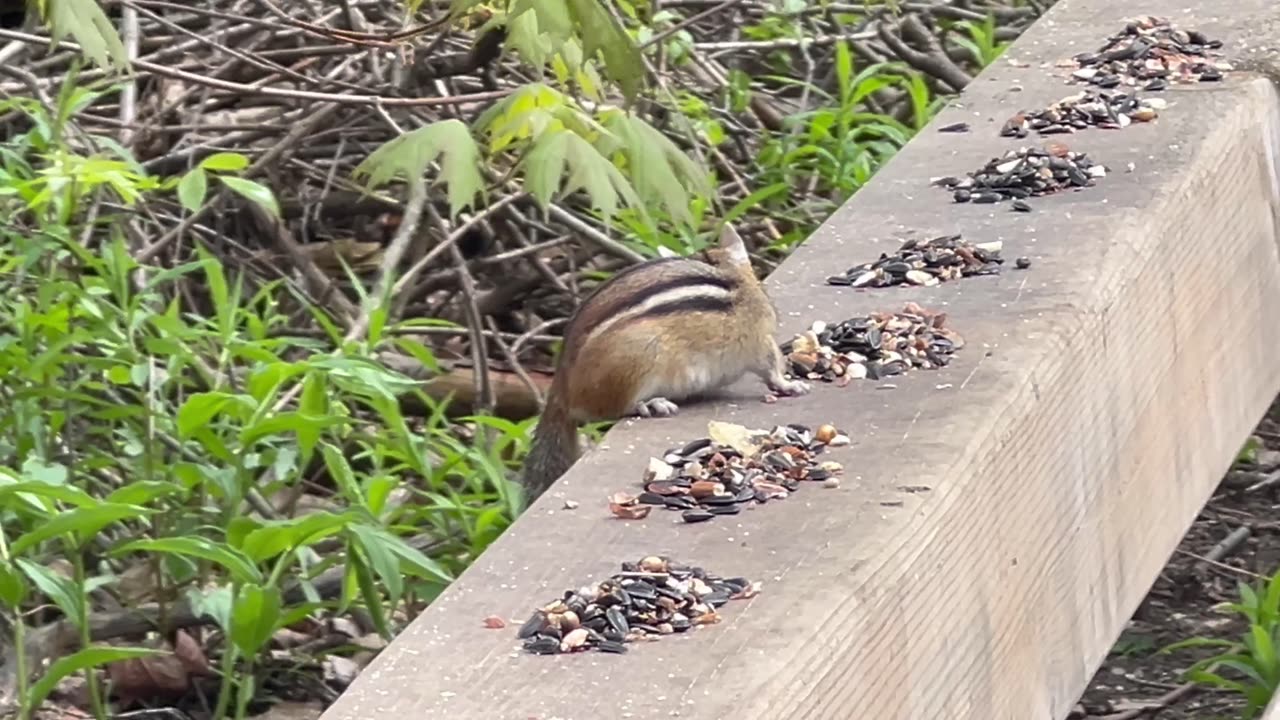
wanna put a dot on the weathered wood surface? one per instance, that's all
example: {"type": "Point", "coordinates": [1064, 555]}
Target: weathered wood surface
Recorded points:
{"type": "Point", "coordinates": [1102, 395]}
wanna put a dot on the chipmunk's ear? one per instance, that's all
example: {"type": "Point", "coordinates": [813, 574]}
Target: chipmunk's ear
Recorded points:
{"type": "Point", "coordinates": [732, 245]}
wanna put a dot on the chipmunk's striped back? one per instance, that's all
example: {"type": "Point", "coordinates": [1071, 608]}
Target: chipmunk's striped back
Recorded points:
{"type": "Point", "coordinates": [665, 287]}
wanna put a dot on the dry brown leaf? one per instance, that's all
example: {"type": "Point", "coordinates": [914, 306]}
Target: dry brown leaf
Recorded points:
{"type": "Point", "coordinates": [191, 654]}
{"type": "Point", "coordinates": [148, 678]}
{"type": "Point", "coordinates": [136, 584]}
{"type": "Point", "coordinates": [329, 256]}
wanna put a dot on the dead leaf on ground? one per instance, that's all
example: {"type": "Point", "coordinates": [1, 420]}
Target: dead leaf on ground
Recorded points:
{"type": "Point", "coordinates": [346, 626]}
{"type": "Point", "coordinates": [329, 256]}
{"type": "Point", "coordinates": [148, 678]}
{"type": "Point", "coordinates": [286, 638]}
{"type": "Point", "coordinates": [340, 670]}
{"type": "Point", "coordinates": [370, 641]}
{"type": "Point", "coordinates": [191, 654]}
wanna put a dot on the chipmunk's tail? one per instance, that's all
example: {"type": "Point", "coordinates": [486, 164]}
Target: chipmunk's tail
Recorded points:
{"type": "Point", "coordinates": [554, 448]}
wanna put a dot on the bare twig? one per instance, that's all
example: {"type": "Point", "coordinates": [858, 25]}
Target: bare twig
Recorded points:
{"type": "Point", "coordinates": [156, 69]}
{"type": "Point", "coordinates": [933, 60]}
{"type": "Point", "coordinates": [605, 243]}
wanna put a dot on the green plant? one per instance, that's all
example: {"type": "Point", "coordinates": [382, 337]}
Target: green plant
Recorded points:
{"type": "Point", "coordinates": [981, 41]}
{"type": "Point", "coordinates": [166, 424]}
{"type": "Point", "coordinates": [1252, 660]}
{"type": "Point", "coordinates": [1248, 453]}
{"type": "Point", "coordinates": [837, 148]}
{"type": "Point", "coordinates": [193, 186]}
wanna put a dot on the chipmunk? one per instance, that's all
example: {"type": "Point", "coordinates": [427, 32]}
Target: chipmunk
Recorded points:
{"type": "Point", "coordinates": [658, 332]}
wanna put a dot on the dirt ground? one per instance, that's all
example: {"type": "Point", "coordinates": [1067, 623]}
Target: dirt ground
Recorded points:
{"type": "Point", "coordinates": [1137, 681]}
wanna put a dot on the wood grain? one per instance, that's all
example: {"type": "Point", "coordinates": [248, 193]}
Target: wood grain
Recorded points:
{"type": "Point", "coordinates": [1101, 396]}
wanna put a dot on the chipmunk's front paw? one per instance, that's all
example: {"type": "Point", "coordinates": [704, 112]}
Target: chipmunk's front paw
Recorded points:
{"type": "Point", "coordinates": [782, 386]}
{"type": "Point", "coordinates": [656, 407]}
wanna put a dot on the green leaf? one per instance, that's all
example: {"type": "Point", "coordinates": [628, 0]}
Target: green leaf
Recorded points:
{"type": "Point", "coordinates": [417, 563]}
{"type": "Point", "coordinates": [12, 589]}
{"type": "Point", "coordinates": [304, 426]}
{"type": "Point", "coordinates": [192, 189]}
{"type": "Point", "coordinates": [215, 603]}
{"type": "Point", "coordinates": [544, 165]}
{"type": "Point", "coordinates": [340, 471]}
{"type": "Point", "coordinates": [526, 38]}
{"type": "Point", "coordinates": [844, 67]}
{"type": "Point", "coordinates": [85, 21]}
{"type": "Point", "coordinates": [53, 473]}
{"type": "Point", "coordinates": [254, 192]}
{"type": "Point", "coordinates": [279, 536]}
{"type": "Point", "coordinates": [369, 591]}
{"type": "Point", "coordinates": [61, 590]}
{"type": "Point", "coordinates": [1249, 451]}
{"type": "Point", "coordinates": [225, 162]}
{"type": "Point", "coordinates": [65, 493]}
{"type": "Point", "coordinates": [409, 156]}
{"type": "Point", "coordinates": [164, 276]}
{"type": "Point", "coordinates": [143, 492]}
{"type": "Point", "coordinates": [755, 199]}
{"type": "Point", "coordinates": [1263, 650]}
{"type": "Point", "coordinates": [201, 408]}
{"type": "Point", "coordinates": [83, 523]}
{"type": "Point", "coordinates": [382, 559]}
{"type": "Point", "coordinates": [588, 171]}
{"type": "Point", "coordinates": [377, 490]}
{"type": "Point", "coordinates": [90, 657]}
{"type": "Point", "coordinates": [659, 170]}
{"type": "Point", "coordinates": [254, 615]}
{"type": "Point", "coordinates": [233, 561]}
{"type": "Point", "coordinates": [600, 32]}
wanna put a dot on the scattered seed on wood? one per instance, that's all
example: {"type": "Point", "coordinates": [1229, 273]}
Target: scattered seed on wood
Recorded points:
{"type": "Point", "coordinates": [1022, 263]}
{"type": "Point", "coordinates": [493, 622]}
{"type": "Point", "coordinates": [1151, 53]}
{"type": "Point", "coordinates": [1088, 109]}
{"type": "Point", "coordinates": [925, 262]}
{"type": "Point", "coordinates": [652, 597]}
{"type": "Point", "coordinates": [875, 346]}
{"type": "Point", "coordinates": [1024, 173]}
{"type": "Point", "coordinates": [628, 507]}
{"type": "Point", "coordinates": [959, 127]}
{"type": "Point", "coordinates": [735, 467]}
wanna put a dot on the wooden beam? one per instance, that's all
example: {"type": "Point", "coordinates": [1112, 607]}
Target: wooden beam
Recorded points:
{"type": "Point", "coordinates": [1101, 396]}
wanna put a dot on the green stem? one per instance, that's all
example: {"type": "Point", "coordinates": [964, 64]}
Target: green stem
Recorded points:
{"type": "Point", "coordinates": [230, 654]}
{"type": "Point", "coordinates": [91, 676]}
{"type": "Point", "coordinates": [19, 635]}
{"type": "Point", "coordinates": [20, 651]}
{"type": "Point", "coordinates": [245, 690]}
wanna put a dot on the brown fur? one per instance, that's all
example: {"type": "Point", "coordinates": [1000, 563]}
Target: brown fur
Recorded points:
{"type": "Point", "coordinates": [604, 375]}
